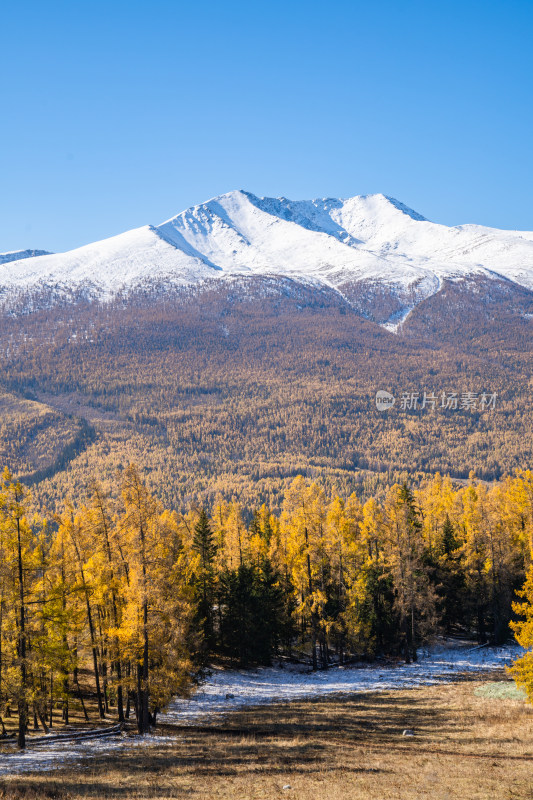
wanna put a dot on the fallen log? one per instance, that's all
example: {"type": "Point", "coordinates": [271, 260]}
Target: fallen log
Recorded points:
{"type": "Point", "coordinates": [74, 736]}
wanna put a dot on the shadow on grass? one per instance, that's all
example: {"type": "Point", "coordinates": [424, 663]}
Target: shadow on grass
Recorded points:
{"type": "Point", "coordinates": [301, 738]}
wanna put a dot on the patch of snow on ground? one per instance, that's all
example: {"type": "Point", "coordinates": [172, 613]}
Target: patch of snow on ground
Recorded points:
{"type": "Point", "coordinates": [275, 684]}
{"type": "Point", "coordinates": [228, 690]}
{"type": "Point", "coordinates": [393, 327]}
{"type": "Point", "coordinates": [59, 754]}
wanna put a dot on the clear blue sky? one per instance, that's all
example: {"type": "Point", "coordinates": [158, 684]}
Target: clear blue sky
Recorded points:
{"type": "Point", "coordinates": [117, 114]}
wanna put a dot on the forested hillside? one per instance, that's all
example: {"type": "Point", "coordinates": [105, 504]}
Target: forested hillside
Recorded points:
{"type": "Point", "coordinates": [235, 392]}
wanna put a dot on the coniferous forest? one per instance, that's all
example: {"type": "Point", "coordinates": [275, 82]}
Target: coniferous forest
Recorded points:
{"type": "Point", "coordinates": [235, 394]}
{"type": "Point", "coordinates": [143, 597]}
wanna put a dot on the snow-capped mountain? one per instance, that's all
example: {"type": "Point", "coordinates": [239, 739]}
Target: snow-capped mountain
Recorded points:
{"type": "Point", "coordinates": [357, 247]}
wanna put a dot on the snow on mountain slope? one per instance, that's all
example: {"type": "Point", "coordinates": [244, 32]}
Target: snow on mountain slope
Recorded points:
{"type": "Point", "coordinates": [391, 231]}
{"type": "Point", "coordinates": [109, 266]}
{"type": "Point", "coordinates": [332, 241]}
{"type": "Point", "coordinates": [243, 238]}
{"type": "Point", "coordinates": [368, 240]}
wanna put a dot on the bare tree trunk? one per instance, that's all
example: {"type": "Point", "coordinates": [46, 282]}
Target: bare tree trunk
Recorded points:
{"type": "Point", "coordinates": [310, 590]}
{"type": "Point", "coordinates": [95, 658]}
{"type": "Point", "coordinates": [38, 711]}
{"type": "Point", "coordinates": [51, 698]}
{"type": "Point", "coordinates": [22, 700]}
{"type": "Point", "coordinates": [91, 628]}
{"type": "Point", "coordinates": [117, 663]}
{"type": "Point", "coordinates": [144, 698]}
{"type": "Point", "coordinates": [80, 695]}
{"type": "Point", "coordinates": [145, 711]}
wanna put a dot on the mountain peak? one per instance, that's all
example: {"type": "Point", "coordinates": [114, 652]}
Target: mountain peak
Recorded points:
{"type": "Point", "coordinates": [378, 204]}
{"type": "Point", "coordinates": [369, 239]}
{"type": "Point", "coordinates": [404, 209]}
{"type": "Point", "coordinates": [18, 255]}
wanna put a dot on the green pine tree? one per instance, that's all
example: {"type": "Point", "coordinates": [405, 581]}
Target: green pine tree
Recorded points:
{"type": "Point", "coordinates": [204, 579]}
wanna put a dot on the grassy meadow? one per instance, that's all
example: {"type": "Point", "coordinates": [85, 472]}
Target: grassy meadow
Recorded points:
{"type": "Point", "coordinates": [473, 740]}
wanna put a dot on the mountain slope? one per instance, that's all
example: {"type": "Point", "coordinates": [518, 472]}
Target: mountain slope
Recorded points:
{"type": "Point", "coordinates": [381, 257]}
{"type": "Point", "coordinates": [214, 392]}
{"type": "Point", "coordinates": [105, 268]}
{"type": "Point", "coordinates": [235, 345]}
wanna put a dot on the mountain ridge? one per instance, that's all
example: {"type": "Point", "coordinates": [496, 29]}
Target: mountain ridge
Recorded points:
{"type": "Point", "coordinates": [356, 246]}
{"type": "Point", "coordinates": [19, 255]}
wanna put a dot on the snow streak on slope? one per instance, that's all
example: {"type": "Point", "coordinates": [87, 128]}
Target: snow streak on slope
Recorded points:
{"type": "Point", "coordinates": [365, 240]}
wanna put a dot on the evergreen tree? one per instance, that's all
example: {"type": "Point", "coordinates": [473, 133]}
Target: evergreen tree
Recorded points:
{"type": "Point", "coordinates": [252, 609]}
{"type": "Point", "coordinates": [449, 541]}
{"type": "Point", "coordinates": [415, 598]}
{"type": "Point", "coordinates": [449, 579]}
{"type": "Point", "coordinates": [203, 544]}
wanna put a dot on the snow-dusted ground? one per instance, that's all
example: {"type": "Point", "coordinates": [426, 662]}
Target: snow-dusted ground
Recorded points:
{"type": "Point", "coordinates": [227, 690]}
{"type": "Point", "coordinates": [58, 754]}
{"type": "Point", "coordinates": [273, 685]}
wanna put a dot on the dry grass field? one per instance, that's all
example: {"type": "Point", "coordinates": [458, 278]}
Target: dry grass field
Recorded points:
{"type": "Point", "coordinates": [467, 745]}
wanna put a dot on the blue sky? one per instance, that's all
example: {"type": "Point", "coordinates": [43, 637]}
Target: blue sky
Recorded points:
{"type": "Point", "coordinates": [117, 114]}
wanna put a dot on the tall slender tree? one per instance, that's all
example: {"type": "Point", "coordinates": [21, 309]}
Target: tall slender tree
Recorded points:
{"type": "Point", "coordinates": [204, 546]}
